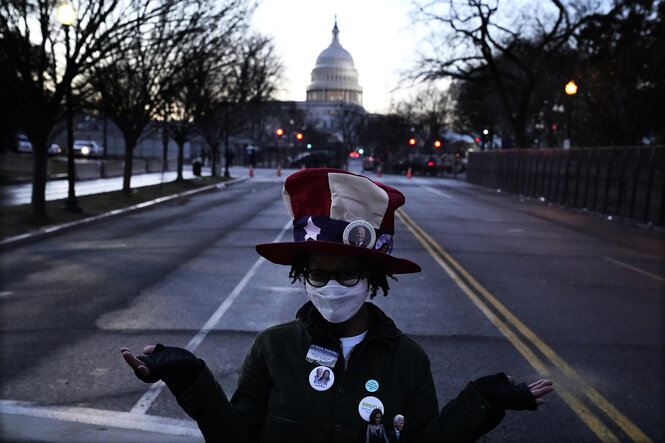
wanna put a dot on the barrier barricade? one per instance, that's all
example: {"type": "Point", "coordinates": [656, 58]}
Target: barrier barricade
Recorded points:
{"type": "Point", "coordinates": [626, 182]}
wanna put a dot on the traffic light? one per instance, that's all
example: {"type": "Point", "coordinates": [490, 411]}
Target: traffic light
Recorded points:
{"type": "Point", "coordinates": [412, 141]}
{"type": "Point", "coordinates": [299, 136]}
{"type": "Point", "coordinates": [279, 131]}
{"type": "Point", "coordinates": [477, 140]}
{"type": "Point", "coordinates": [309, 146]}
{"type": "Point", "coordinates": [437, 144]}
{"type": "Point", "coordinates": [553, 127]}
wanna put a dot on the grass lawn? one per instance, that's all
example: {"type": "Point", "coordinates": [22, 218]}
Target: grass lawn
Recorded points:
{"type": "Point", "coordinates": [17, 220]}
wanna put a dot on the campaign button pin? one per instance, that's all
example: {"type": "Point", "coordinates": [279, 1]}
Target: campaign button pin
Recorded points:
{"type": "Point", "coordinates": [372, 385]}
{"type": "Point", "coordinates": [367, 405]}
{"type": "Point", "coordinates": [321, 378]}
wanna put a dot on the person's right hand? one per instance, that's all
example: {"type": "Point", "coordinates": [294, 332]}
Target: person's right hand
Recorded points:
{"type": "Point", "coordinates": [177, 367]}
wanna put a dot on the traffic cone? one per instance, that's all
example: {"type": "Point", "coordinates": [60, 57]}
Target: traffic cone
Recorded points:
{"type": "Point", "coordinates": [279, 171]}
{"type": "Point", "coordinates": [251, 171]}
{"type": "Point", "coordinates": [408, 173]}
{"type": "Point", "coordinates": [378, 171]}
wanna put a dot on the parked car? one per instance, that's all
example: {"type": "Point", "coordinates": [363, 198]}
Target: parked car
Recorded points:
{"type": "Point", "coordinates": [370, 163]}
{"type": "Point", "coordinates": [23, 144]}
{"type": "Point", "coordinates": [314, 159]}
{"type": "Point", "coordinates": [54, 149]}
{"type": "Point", "coordinates": [87, 148]}
{"type": "Point", "coordinates": [420, 164]}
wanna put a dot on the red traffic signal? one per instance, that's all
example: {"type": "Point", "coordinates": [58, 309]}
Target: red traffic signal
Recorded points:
{"type": "Point", "coordinates": [554, 127]}
{"type": "Point", "coordinates": [477, 140]}
{"type": "Point", "coordinates": [279, 131]}
{"type": "Point", "coordinates": [437, 144]}
{"type": "Point", "coordinates": [412, 141]}
{"type": "Point", "coordinates": [299, 136]}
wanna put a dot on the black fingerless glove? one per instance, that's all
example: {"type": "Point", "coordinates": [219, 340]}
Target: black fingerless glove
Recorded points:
{"type": "Point", "coordinates": [500, 393]}
{"type": "Point", "coordinates": [177, 367]}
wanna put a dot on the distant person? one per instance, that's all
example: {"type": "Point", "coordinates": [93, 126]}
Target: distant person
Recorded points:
{"type": "Point", "coordinates": [370, 363]}
{"type": "Point", "coordinates": [376, 433]}
{"type": "Point", "coordinates": [252, 158]}
{"type": "Point", "coordinates": [395, 435]}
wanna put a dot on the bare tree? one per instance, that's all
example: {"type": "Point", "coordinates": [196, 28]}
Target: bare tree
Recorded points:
{"type": "Point", "coordinates": [427, 111]}
{"type": "Point", "coordinates": [237, 91]}
{"type": "Point", "coordinates": [349, 119]}
{"type": "Point", "coordinates": [210, 53]}
{"type": "Point", "coordinates": [36, 76]}
{"type": "Point", "coordinates": [512, 53]}
{"type": "Point", "coordinates": [131, 85]}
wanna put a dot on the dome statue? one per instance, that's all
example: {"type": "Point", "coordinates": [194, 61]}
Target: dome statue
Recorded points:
{"type": "Point", "coordinates": [334, 77]}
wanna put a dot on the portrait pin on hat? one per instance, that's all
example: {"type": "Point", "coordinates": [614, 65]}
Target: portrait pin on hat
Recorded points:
{"type": "Point", "coordinates": [337, 212]}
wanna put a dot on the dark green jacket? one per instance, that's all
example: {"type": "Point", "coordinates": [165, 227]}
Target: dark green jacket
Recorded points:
{"type": "Point", "coordinates": [274, 400]}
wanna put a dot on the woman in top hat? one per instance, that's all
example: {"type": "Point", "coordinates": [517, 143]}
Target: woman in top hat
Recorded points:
{"type": "Point", "coordinates": [372, 364]}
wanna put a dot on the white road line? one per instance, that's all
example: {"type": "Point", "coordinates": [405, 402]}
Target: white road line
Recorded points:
{"type": "Point", "coordinates": [144, 403]}
{"type": "Point", "coordinates": [437, 192]}
{"type": "Point", "coordinates": [100, 417]}
{"type": "Point", "coordinates": [633, 268]}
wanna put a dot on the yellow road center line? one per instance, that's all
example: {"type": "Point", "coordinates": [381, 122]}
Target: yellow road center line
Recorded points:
{"type": "Point", "coordinates": [443, 258]}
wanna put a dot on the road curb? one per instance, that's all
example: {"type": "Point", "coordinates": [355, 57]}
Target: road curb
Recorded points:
{"type": "Point", "coordinates": [51, 231]}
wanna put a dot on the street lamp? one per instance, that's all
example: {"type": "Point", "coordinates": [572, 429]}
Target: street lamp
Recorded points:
{"type": "Point", "coordinates": [66, 17]}
{"type": "Point", "coordinates": [571, 89]}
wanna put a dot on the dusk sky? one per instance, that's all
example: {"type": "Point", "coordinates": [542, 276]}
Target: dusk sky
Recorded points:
{"type": "Point", "coordinates": [377, 33]}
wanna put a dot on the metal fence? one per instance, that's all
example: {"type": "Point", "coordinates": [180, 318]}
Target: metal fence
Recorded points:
{"type": "Point", "coordinates": [624, 182]}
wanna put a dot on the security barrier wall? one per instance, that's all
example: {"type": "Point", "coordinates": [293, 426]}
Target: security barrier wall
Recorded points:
{"type": "Point", "coordinates": [623, 182]}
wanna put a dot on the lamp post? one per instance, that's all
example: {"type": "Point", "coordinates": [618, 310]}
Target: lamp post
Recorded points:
{"type": "Point", "coordinates": [66, 17]}
{"type": "Point", "coordinates": [571, 89]}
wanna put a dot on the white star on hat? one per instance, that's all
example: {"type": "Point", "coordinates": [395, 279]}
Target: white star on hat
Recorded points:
{"type": "Point", "coordinates": [311, 230]}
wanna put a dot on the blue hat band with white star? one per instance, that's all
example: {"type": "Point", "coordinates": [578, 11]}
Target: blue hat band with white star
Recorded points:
{"type": "Point", "coordinates": [321, 228]}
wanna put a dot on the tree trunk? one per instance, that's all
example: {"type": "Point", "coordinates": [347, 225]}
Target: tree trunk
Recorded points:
{"type": "Point", "coordinates": [165, 147]}
{"type": "Point", "coordinates": [181, 158]}
{"type": "Point", "coordinates": [130, 144]}
{"type": "Point", "coordinates": [39, 172]}
{"type": "Point", "coordinates": [214, 150]}
{"type": "Point", "coordinates": [127, 171]}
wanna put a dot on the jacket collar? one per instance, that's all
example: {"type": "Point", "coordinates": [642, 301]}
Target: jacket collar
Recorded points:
{"type": "Point", "coordinates": [380, 325]}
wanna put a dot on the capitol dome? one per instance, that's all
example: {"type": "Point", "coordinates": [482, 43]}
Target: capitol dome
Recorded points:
{"type": "Point", "coordinates": [334, 77]}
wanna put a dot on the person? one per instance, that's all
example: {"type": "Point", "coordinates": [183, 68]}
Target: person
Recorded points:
{"type": "Point", "coordinates": [325, 378]}
{"type": "Point", "coordinates": [376, 433]}
{"type": "Point", "coordinates": [372, 364]}
{"type": "Point", "coordinates": [360, 236]}
{"type": "Point", "coordinates": [395, 434]}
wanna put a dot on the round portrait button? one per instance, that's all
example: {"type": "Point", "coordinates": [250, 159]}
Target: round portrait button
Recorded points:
{"type": "Point", "coordinates": [321, 378]}
{"type": "Point", "coordinates": [359, 233]}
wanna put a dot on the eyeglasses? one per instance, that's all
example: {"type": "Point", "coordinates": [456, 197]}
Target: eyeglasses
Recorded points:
{"type": "Point", "coordinates": [320, 277]}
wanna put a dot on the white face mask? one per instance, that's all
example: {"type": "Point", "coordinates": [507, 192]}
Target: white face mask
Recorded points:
{"type": "Point", "coordinates": [338, 303]}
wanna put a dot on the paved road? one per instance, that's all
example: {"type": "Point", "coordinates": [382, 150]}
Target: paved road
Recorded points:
{"type": "Point", "coordinates": [506, 285]}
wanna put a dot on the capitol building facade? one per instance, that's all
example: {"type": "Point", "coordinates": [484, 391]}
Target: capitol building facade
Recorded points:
{"type": "Point", "coordinates": [334, 89]}
{"type": "Point", "coordinates": [334, 77]}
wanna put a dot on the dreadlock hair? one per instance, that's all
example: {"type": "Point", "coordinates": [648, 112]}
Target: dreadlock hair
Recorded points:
{"type": "Point", "coordinates": [377, 276]}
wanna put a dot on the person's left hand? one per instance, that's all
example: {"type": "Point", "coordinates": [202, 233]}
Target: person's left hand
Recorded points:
{"type": "Point", "coordinates": [539, 389]}
{"type": "Point", "coordinates": [501, 392]}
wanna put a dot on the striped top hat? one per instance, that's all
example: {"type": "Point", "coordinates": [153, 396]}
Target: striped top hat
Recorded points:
{"type": "Point", "coordinates": [336, 212]}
